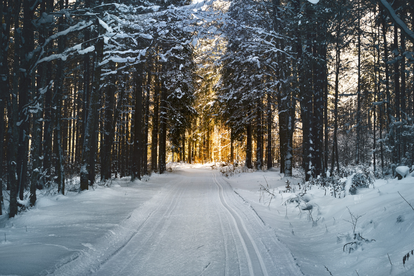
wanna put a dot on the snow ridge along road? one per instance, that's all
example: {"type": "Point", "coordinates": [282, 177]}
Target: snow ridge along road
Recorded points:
{"type": "Point", "coordinates": [195, 225]}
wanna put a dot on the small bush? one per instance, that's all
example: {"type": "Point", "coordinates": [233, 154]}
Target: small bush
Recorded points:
{"type": "Point", "coordinates": [359, 181]}
{"type": "Point", "coordinates": [332, 185]}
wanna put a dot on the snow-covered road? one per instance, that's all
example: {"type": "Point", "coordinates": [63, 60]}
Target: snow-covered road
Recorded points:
{"type": "Point", "coordinates": [193, 221]}
{"type": "Point", "coordinates": [195, 225]}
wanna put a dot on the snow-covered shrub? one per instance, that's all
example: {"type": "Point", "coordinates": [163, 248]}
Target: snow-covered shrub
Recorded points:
{"type": "Point", "coordinates": [170, 166]}
{"type": "Point", "coordinates": [288, 187]}
{"type": "Point", "coordinates": [346, 171]}
{"type": "Point", "coordinates": [402, 172]}
{"type": "Point", "coordinates": [332, 185]}
{"type": "Point", "coordinates": [359, 181]}
{"type": "Point", "coordinates": [228, 170]}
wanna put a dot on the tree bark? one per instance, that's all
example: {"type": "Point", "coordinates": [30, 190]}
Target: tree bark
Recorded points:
{"type": "Point", "coordinates": [13, 130]}
{"type": "Point", "coordinates": [249, 146]}
{"type": "Point", "coordinates": [403, 98]}
{"type": "Point", "coordinates": [91, 120]}
{"type": "Point", "coordinates": [163, 130]}
{"type": "Point", "coordinates": [25, 85]}
{"type": "Point", "coordinates": [269, 156]}
{"type": "Point", "coordinates": [155, 125]}
{"type": "Point", "coordinates": [397, 147]}
{"type": "Point", "coordinates": [4, 80]}
{"type": "Point", "coordinates": [108, 133]}
{"type": "Point", "coordinates": [335, 152]}
{"type": "Point", "coordinates": [259, 142]}
{"type": "Point", "coordinates": [58, 104]}
{"type": "Point", "coordinates": [138, 139]}
{"type": "Point", "coordinates": [2, 113]}
{"type": "Point", "coordinates": [358, 114]}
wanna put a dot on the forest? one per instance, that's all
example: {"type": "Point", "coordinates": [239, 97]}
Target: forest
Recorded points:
{"type": "Point", "coordinates": [115, 88]}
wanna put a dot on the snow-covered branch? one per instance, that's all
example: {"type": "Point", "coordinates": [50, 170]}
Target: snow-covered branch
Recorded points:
{"type": "Point", "coordinates": [397, 21]}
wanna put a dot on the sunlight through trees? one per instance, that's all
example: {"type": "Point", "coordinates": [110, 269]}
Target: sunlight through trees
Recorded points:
{"type": "Point", "coordinates": [104, 89]}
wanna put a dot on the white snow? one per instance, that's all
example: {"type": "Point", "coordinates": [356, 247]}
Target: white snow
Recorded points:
{"type": "Point", "coordinates": [194, 221]}
{"type": "Point", "coordinates": [385, 217]}
{"type": "Point", "coordinates": [402, 170]}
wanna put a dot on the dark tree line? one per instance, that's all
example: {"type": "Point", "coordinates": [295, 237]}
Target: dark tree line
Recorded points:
{"type": "Point", "coordinates": [339, 75]}
{"type": "Point", "coordinates": [107, 89]}
{"type": "Point", "coordinates": [90, 87]}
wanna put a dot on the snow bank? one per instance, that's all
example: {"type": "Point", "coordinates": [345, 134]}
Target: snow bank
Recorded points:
{"type": "Point", "coordinates": [319, 229]}
{"type": "Point", "coordinates": [403, 171]}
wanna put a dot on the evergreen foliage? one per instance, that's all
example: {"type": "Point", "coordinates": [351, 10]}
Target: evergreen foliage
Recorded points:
{"type": "Point", "coordinates": [91, 87]}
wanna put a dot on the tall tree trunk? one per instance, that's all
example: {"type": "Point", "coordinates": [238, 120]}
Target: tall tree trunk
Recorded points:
{"type": "Point", "coordinates": [403, 97]}
{"type": "Point", "coordinates": [325, 126]}
{"type": "Point", "coordinates": [190, 148]}
{"type": "Point", "coordinates": [155, 124]}
{"type": "Point", "coordinates": [163, 129]}
{"type": "Point", "coordinates": [108, 133]}
{"type": "Point", "coordinates": [358, 114]}
{"type": "Point", "coordinates": [249, 146]}
{"type": "Point", "coordinates": [4, 80]}
{"type": "Point", "coordinates": [259, 142]}
{"type": "Point", "coordinates": [183, 150]}
{"type": "Point", "coordinates": [231, 146]}
{"type": "Point", "coordinates": [335, 152]}
{"type": "Point", "coordinates": [147, 115]}
{"type": "Point", "coordinates": [48, 114]}
{"type": "Point", "coordinates": [318, 104]}
{"type": "Point", "coordinates": [305, 87]}
{"type": "Point", "coordinates": [58, 104]}
{"type": "Point", "coordinates": [123, 143]}
{"type": "Point", "coordinates": [381, 96]}
{"type": "Point", "coordinates": [13, 129]}
{"type": "Point", "coordinates": [24, 93]}
{"type": "Point", "coordinates": [389, 112]}
{"type": "Point", "coordinates": [397, 151]}
{"type": "Point", "coordinates": [95, 126]}
{"type": "Point", "coordinates": [2, 114]}
{"type": "Point", "coordinates": [138, 141]}
{"type": "Point", "coordinates": [269, 156]}
{"type": "Point", "coordinates": [36, 144]}
{"type": "Point", "coordinates": [290, 125]}
{"type": "Point", "coordinates": [91, 120]}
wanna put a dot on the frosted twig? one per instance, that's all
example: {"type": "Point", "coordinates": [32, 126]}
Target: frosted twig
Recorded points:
{"type": "Point", "coordinates": [328, 270]}
{"type": "Point", "coordinates": [406, 201]}
{"type": "Point", "coordinates": [389, 259]}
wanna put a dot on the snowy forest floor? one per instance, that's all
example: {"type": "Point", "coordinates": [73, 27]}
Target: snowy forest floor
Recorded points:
{"type": "Point", "coordinates": [99, 231]}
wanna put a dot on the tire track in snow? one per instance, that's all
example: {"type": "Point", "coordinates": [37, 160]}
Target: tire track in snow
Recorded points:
{"type": "Point", "coordinates": [229, 238]}
{"type": "Point", "coordinates": [285, 263]}
{"type": "Point", "coordinates": [163, 223]}
{"type": "Point", "coordinates": [148, 235]}
{"type": "Point", "coordinates": [225, 242]}
{"type": "Point", "coordinates": [254, 259]}
{"type": "Point", "coordinates": [114, 242]}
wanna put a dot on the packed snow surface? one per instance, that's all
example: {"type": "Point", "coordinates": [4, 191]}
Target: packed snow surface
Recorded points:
{"type": "Point", "coordinates": [194, 221]}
